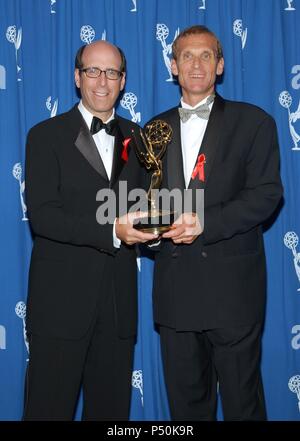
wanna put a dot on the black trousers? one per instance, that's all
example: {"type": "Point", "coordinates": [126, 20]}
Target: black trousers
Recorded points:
{"type": "Point", "coordinates": [196, 362]}
{"type": "Point", "coordinates": [101, 362]}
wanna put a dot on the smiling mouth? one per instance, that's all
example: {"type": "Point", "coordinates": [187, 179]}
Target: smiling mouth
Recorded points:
{"type": "Point", "coordinates": [101, 94]}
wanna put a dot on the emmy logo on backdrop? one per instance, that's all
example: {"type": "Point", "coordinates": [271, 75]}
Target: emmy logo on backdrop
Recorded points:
{"type": "Point", "coordinates": [20, 310]}
{"type": "Point", "coordinates": [289, 7]}
{"type": "Point", "coordinates": [294, 386]}
{"type": "Point", "coordinates": [291, 241]}
{"type": "Point", "coordinates": [239, 32]}
{"type": "Point", "coordinates": [52, 107]}
{"type": "Point", "coordinates": [52, 6]}
{"type": "Point", "coordinates": [286, 100]}
{"type": "Point", "coordinates": [129, 102]}
{"type": "Point", "coordinates": [2, 77]}
{"type": "Point", "coordinates": [2, 337]}
{"type": "Point", "coordinates": [137, 382]}
{"type": "Point", "coordinates": [16, 39]}
{"type": "Point", "coordinates": [17, 173]}
{"type": "Point", "coordinates": [134, 6]}
{"type": "Point", "coordinates": [202, 4]}
{"type": "Point", "coordinates": [162, 33]}
{"type": "Point", "coordinates": [87, 34]}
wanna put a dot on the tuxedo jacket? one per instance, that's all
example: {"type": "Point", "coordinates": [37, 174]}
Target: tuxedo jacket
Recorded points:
{"type": "Point", "coordinates": [220, 279]}
{"type": "Point", "coordinates": [72, 252]}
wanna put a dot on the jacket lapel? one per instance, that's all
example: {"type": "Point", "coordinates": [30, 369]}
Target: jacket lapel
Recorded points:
{"type": "Point", "coordinates": [87, 147]}
{"type": "Point", "coordinates": [175, 174]}
{"type": "Point", "coordinates": [209, 145]}
{"type": "Point", "coordinates": [118, 161]}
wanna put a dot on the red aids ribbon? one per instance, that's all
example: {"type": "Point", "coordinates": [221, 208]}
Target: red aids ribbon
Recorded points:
{"type": "Point", "coordinates": [199, 168]}
{"type": "Point", "coordinates": [125, 149]}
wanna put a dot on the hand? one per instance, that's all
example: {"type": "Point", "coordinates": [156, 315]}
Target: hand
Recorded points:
{"type": "Point", "coordinates": [185, 229]}
{"type": "Point", "coordinates": [126, 233]}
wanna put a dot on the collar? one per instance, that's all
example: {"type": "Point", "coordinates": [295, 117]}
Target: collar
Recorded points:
{"type": "Point", "coordinates": [88, 116]}
{"type": "Point", "coordinates": [187, 106]}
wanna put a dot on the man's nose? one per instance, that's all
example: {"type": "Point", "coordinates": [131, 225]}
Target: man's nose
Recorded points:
{"type": "Point", "coordinates": [197, 61]}
{"type": "Point", "coordinates": [102, 78]}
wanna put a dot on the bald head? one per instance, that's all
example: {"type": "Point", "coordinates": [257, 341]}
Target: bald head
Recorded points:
{"type": "Point", "coordinates": [100, 92]}
{"type": "Point", "coordinates": [100, 46]}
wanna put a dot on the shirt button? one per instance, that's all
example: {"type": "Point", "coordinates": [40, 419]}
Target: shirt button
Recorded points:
{"type": "Point", "coordinates": [204, 254]}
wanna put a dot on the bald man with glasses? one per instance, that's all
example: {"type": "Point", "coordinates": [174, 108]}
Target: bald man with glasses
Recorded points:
{"type": "Point", "coordinates": [81, 311]}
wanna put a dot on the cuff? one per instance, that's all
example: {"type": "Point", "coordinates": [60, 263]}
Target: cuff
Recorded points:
{"type": "Point", "coordinates": [116, 240]}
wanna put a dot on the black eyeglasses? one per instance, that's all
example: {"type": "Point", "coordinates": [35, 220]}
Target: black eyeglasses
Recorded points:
{"type": "Point", "coordinates": [95, 72]}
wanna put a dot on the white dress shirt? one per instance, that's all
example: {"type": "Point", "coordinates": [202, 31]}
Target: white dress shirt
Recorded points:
{"type": "Point", "coordinates": [104, 142]}
{"type": "Point", "coordinates": [105, 146]}
{"type": "Point", "coordinates": [192, 133]}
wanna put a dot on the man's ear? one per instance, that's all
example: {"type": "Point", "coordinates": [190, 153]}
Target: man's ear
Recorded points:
{"type": "Point", "coordinates": [77, 78]}
{"type": "Point", "coordinates": [174, 67]}
{"type": "Point", "coordinates": [220, 66]}
{"type": "Point", "coordinates": [123, 80]}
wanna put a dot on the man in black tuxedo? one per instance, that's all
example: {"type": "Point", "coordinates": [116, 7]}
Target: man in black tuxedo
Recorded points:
{"type": "Point", "coordinates": [210, 278]}
{"type": "Point", "coordinates": [81, 312]}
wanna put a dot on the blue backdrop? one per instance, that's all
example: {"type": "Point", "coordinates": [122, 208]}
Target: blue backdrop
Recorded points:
{"type": "Point", "coordinates": [38, 42]}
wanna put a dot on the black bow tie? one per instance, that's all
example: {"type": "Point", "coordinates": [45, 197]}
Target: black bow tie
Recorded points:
{"type": "Point", "coordinates": [98, 124]}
